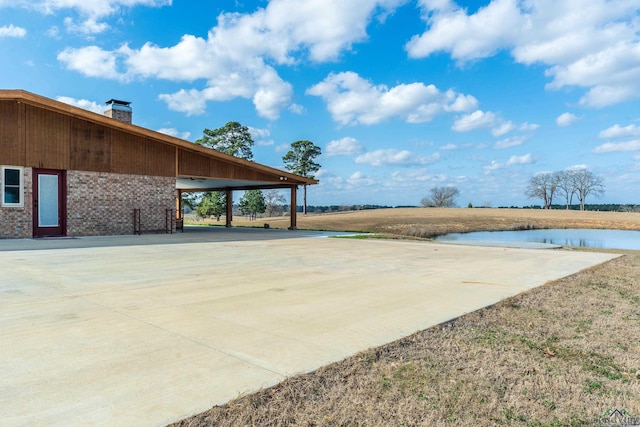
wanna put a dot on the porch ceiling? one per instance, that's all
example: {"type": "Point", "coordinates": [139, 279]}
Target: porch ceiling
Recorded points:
{"type": "Point", "coordinates": [209, 184]}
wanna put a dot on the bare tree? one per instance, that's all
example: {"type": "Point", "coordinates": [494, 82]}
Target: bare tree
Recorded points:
{"type": "Point", "coordinates": [586, 183]}
{"type": "Point", "coordinates": [566, 186]}
{"type": "Point", "coordinates": [543, 186]}
{"type": "Point", "coordinates": [441, 197]}
{"type": "Point", "coordinates": [274, 201]}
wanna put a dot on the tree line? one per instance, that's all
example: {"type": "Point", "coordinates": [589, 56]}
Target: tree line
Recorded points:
{"type": "Point", "coordinates": [578, 183]}
{"type": "Point", "coordinates": [235, 140]}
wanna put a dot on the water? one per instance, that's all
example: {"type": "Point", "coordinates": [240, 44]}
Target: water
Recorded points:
{"type": "Point", "coordinates": [604, 239]}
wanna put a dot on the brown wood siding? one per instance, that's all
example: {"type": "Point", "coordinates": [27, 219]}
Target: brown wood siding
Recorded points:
{"type": "Point", "coordinates": [47, 138]}
{"type": "Point", "coordinates": [192, 164]}
{"type": "Point", "coordinates": [160, 159]}
{"type": "Point", "coordinates": [90, 146]}
{"type": "Point", "coordinates": [12, 148]}
{"type": "Point", "coordinates": [221, 169]}
{"type": "Point", "coordinates": [128, 153]}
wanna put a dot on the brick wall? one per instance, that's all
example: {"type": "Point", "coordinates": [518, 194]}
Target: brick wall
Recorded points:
{"type": "Point", "coordinates": [17, 222]}
{"type": "Point", "coordinates": [103, 203]}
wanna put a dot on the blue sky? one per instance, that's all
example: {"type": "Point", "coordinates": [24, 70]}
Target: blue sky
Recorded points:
{"type": "Point", "coordinates": [400, 95]}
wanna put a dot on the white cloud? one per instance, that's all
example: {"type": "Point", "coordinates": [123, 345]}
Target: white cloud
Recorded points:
{"type": "Point", "coordinates": [591, 44]}
{"type": "Point", "coordinates": [494, 165]}
{"type": "Point", "coordinates": [346, 146]}
{"type": "Point", "coordinates": [238, 56]}
{"type": "Point", "coordinates": [92, 61]}
{"type": "Point", "coordinates": [488, 120]}
{"type": "Point", "coordinates": [89, 26]}
{"type": "Point", "coordinates": [390, 156]}
{"type": "Point", "coordinates": [261, 136]}
{"type": "Point", "coordinates": [509, 142]}
{"type": "Point", "coordinates": [282, 148]}
{"type": "Point", "coordinates": [12, 31]}
{"type": "Point", "coordinates": [297, 109]}
{"type": "Point", "coordinates": [617, 131]}
{"type": "Point", "coordinates": [520, 160]}
{"type": "Point", "coordinates": [566, 119]}
{"type": "Point", "coordinates": [466, 37]}
{"type": "Point", "coordinates": [449, 147]}
{"type": "Point", "coordinates": [513, 160]}
{"type": "Point", "coordinates": [83, 103]}
{"type": "Point", "coordinates": [611, 147]}
{"type": "Point", "coordinates": [353, 100]}
{"type": "Point", "coordinates": [90, 10]}
{"type": "Point", "coordinates": [174, 132]}
{"type": "Point", "coordinates": [359, 179]}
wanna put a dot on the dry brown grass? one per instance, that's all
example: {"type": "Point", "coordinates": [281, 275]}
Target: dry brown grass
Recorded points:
{"type": "Point", "coordinates": [421, 222]}
{"type": "Point", "coordinates": [557, 355]}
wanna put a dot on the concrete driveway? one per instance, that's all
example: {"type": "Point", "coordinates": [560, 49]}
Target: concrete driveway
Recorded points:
{"type": "Point", "coordinates": [135, 331]}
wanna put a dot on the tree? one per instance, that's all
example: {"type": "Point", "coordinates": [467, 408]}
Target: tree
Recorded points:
{"type": "Point", "coordinates": [586, 183]}
{"type": "Point", "coordinates": [274, 201]}
{"type": "Point", "coordinates": [233, 139]}
{"type": "Point", "coordinates": [252, 203]}
{"type": "Point", "coordinates": [441, 197]}
{"type": "Point", "coordinates": [543, 186]}
{"type": "Point", "coordinates": [212, 203]}
{"type": "Point", "coordinates": [566, 186]}
{"type": "Point", "coordinates": [300, 160]}
{"type": "Point", "coordinates": [579, 182]}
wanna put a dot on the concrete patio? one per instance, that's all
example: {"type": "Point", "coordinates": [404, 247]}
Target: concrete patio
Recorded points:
{"type": "Point", "coordinates": [146, 330]}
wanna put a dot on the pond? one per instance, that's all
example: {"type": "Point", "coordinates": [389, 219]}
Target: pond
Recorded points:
{"type": "Point", "coordinates": [604, 239]}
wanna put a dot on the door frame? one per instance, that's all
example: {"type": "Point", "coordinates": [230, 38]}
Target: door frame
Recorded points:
{"type": "Point", "coordinates": [61, 229]}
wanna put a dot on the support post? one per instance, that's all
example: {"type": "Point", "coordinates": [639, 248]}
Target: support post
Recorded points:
{"type": "Point", "coordinates": [179, 205]}
{"type": "Point", "coordinates": [293, 208]}
{"type": "Point", "coordinates": [229, 216]}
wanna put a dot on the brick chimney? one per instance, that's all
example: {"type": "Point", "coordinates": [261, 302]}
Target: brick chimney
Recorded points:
{"type": "Point", "coordinates": [119, 110]}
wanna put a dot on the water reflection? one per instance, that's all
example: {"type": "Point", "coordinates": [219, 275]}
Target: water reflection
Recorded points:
{"type": "Point", "coordinates": [604, 239]}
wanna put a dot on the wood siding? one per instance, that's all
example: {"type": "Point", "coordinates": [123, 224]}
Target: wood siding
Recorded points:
{"type": "Point", "coordinates": [199, 165]}
{"type": "Point", "coordinates": [36, 137]}
{"type": "Point", "coordinates": [42, 133]}
{"type": "Point", "coordinates": [12, 148]}
{"type": "Point", "coordinates": [47, 138]}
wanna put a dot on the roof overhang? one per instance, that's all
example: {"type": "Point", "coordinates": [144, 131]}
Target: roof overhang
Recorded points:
{"type": "Point", "coordinates": [274, 178]}
{"type": "Point", "coordinates": [190, 184]}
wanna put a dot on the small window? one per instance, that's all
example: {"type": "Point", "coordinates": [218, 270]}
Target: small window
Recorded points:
{"type": "Point", "coordinates": [12, 187]}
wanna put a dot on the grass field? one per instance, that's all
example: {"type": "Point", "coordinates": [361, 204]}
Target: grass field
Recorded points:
{"type": "Point", "coordinates": [421, 222]}
{"type": "Point", "coordinates": [558, 355]}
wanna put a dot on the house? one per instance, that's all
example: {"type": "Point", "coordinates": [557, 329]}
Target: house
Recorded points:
{"type": "Point", "coordinates": [65, 171]}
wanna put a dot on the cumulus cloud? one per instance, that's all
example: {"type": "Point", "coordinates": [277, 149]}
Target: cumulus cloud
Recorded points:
{"type": "Point", "coordinates": [566, 119]}
{"type": "Point", "coordinates": [612, 147]}
{"type": "Point", "coordinates": [91, 11]}
{"type": "Point", "coordinates": [353, 100]}
{"type": "Point", "coordinates": [83, 103]}
{"type": "Point", "coordinates": [509, 142]}
{"type": "Point", "coordinates": [261, 136]}
{"type": "Point", "coordinates": [449, 147]}
{"type": "Point", "coordinates": [393, 157]}
{"type": "Point", "coordinates": [92, 61]}
{"type": "Point", "coordinates": [591, 44]}
{"type": "Point", "coordinates": [513, 160]}
{"type": "Point", "coordinates": [359, 179]}
{"type": "Point", "coordinates": [520, 160]}
{"type": "Point", "coordinates": [346, 146]}
{"type": "Point", "coordinates": [617, 131]}
{"type": "Point", "coordinates": [12, 31]}
{"type": "Point", "coordinates": [238, 56]}
{"type": "Point", "coordinates": [174, 132]}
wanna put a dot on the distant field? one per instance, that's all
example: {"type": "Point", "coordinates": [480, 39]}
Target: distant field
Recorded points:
{"type": "Point", "coordinates": [429, 222]}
